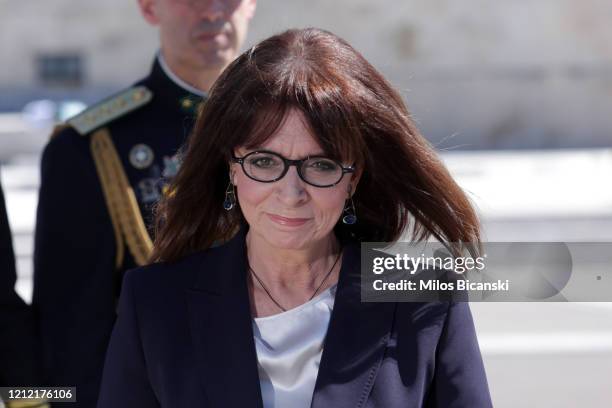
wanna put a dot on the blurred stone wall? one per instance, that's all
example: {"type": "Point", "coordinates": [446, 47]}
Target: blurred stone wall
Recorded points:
{"type": "Point", "coordinates": [115, 43]}
{"type": "Point", "coordinates": [476, 74]}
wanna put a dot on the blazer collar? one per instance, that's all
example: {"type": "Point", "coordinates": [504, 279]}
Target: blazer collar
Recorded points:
{"type": "Point", "coordinates": [222, 331]}
{"type": "Point", "coordinates": [356, 341]}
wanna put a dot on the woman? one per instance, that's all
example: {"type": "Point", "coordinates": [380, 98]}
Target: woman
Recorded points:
{"type": "Point", "coordinates": [302, 151]}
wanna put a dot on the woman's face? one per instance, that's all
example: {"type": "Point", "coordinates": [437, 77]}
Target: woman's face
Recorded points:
{"type": "Point", "coordinates": [290, 213]}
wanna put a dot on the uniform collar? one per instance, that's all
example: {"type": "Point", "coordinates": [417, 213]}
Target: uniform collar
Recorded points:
{"type": "Point", "coordinates": [175, 78]}
{"type": "Point", "coordinates": [167, 92]}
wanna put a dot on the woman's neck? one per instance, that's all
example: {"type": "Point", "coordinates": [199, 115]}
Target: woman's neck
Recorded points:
{"type": "Point", "coordinates": [292, 271]}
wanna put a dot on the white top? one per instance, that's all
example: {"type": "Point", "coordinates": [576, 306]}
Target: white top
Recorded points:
{"type": "Point", "coordinates": [289, 347]}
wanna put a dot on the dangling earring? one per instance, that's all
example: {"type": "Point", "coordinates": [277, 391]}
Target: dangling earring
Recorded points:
{"type": "Point", "coordinates": [350, 216]}
{"type": "Point", "coordinates": [230, 197]}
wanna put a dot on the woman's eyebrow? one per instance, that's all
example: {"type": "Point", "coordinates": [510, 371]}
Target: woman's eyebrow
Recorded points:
{"type": "Point", "coordinates": [263, 149]}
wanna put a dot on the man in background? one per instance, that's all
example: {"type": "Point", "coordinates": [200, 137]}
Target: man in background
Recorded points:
{"type": "Point", "coordinates": [102, 174]}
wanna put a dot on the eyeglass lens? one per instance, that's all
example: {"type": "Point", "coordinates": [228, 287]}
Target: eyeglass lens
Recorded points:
{"type": "Point", "coordinates": [267, 167]}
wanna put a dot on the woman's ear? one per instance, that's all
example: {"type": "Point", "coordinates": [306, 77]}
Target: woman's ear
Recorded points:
{"type": "Point", "coordinates": [232, 173]}
{"type": "Point", "coordinates": [235, 167]}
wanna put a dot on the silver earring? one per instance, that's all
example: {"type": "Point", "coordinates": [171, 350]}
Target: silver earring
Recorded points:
{"type": "Point", "coordinates": [230, 197]}
{"type": "Point", "coordinates": [350, 216]}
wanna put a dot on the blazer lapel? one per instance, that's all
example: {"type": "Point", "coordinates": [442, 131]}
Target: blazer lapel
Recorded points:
{"type": "Point", "coordinates": [355, 343]}
{"type": "Point", "coordinates": [222, 333]}
{"type": "Point", "coordinates": [221, 329]}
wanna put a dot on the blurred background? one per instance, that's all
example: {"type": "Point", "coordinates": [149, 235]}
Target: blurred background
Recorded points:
{"type": "Point", "coordinates": [516, 95]}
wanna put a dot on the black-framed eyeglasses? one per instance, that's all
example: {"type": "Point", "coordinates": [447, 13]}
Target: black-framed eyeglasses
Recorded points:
{"type": "Point", "coordinates": [267, 167]}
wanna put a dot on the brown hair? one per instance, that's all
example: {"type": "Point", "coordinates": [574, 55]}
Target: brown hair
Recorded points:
{"type": "Point", "coordinates": [353, 113]}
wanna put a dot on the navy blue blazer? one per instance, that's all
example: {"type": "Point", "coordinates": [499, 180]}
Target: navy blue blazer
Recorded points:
{"type": "Point", "coordinates": [184, 338]}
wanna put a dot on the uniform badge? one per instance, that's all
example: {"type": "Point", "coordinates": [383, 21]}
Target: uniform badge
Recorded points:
{"type": "Point", "coordinates": [141, 156]}
{"type": "Point", "coordinates": [187, 103]}
{"type": "Point", "coordinates": [149, 191]}
{"type": "Point", "coordinates": [171, 166]}
{"type": "Point", "coordinates": [190, 104]}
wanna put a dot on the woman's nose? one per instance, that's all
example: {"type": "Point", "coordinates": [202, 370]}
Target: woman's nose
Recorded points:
{"type": "Point", "coordinates": [291, 188]}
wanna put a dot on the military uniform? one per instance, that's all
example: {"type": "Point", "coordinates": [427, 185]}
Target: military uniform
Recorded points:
{"type": "Point", "coordinates": [101, 175]}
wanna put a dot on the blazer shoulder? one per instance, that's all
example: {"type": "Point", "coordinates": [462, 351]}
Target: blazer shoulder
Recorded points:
{"type": "Point", "coordinates": [181, 272]}
{"type": "Point", "coordinates": [162, 272]}
{"type": "Point", "coordinates": [208, 268]}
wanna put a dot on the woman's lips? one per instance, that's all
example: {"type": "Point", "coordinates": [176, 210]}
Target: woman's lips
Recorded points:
{"type": "Point", "coordinates": [290, 222]}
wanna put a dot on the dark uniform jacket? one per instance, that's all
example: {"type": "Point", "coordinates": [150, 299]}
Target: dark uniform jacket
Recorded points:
{"type": "Point", "coordinates": [81, 251]}
{"type": "Point", "coordinates": [184, 338]}
{"type": "Point", "coordinates": [17, 329]}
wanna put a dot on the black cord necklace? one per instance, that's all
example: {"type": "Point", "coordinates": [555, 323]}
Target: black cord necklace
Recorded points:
{"type": "Point", "coordinates": [313, 295]}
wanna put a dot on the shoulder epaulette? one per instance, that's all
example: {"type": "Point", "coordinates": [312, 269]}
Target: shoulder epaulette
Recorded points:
{"type": "Point", "coordinates": [110, 109]}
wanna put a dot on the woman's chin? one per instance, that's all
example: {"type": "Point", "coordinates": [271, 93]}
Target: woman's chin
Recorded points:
{"type": "Point", "coordinates": [287, 237]}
